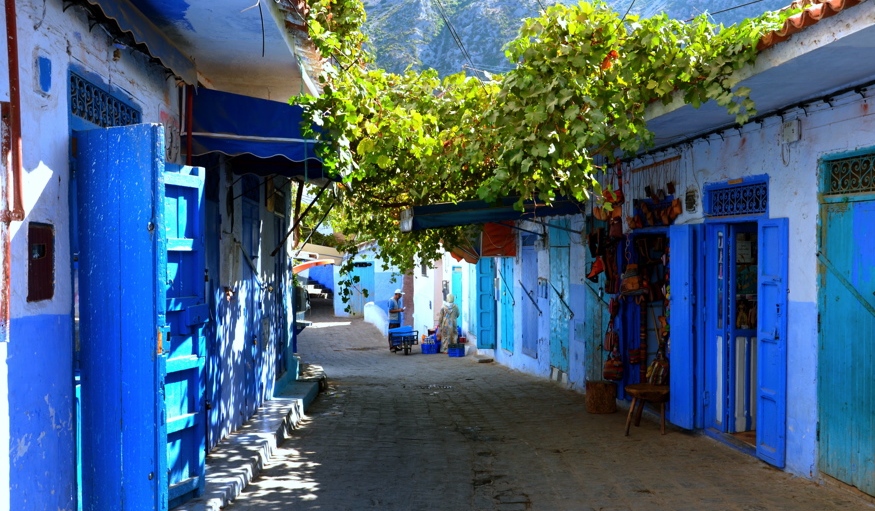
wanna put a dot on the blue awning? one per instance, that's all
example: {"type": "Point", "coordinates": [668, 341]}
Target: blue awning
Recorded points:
{"type": "Point", "coordinates": [265, 135]}
{"type": "Point", "coordinates": [477, 212]}
{"type": "Point", "coordinates": [130, 20]}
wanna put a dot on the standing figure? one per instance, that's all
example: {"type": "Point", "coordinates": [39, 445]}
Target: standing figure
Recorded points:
{"type": "Point", "coordinates": [395, 310]}
{"type": "Point", "coordinates": [448, 332]}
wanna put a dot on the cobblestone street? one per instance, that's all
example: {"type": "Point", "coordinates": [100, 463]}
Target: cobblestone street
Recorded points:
{"type": "Point", "coordinates": [429, 432]}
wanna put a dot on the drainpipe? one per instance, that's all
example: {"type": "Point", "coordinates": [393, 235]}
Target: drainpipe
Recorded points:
{"type": "Point", "coordinates": [11, 148]}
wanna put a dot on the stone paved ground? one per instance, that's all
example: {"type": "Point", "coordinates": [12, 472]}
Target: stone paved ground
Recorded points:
{"type": "Point", "coordinates": [429, 432]}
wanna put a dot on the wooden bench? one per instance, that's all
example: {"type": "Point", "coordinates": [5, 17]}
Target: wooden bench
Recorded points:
{"type": "Point", "coordinates": [646, 393]}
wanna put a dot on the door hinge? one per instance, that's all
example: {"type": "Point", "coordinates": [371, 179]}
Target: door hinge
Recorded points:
{"type": "Point", "coordinates": [817, 432]}
{"type": "Point", "coordinates": [818, 322]}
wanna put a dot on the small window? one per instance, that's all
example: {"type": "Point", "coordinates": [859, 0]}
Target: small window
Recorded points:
{"type": "Point", "coordinates": [40, 262]}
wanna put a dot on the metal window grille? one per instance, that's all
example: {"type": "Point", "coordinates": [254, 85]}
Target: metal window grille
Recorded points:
{"type": "Point", "coordinates": [749, 199]}
{"type": "Point", "coordinates": [850, 175]}
{"type": "Point", "coordinates": [93, 104]}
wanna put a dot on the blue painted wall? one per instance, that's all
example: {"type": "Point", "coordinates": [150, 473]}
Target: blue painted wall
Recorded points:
{"type": "Point", "coordinates": [801, 371]}
{"type": "Point", "coordinates": [41, 413]}
{"type": "Point", "coordinates": [324, 275]}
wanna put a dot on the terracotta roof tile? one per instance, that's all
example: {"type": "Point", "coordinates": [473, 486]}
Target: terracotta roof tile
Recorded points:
{"type": "Point", "coordinates": [812, 12]}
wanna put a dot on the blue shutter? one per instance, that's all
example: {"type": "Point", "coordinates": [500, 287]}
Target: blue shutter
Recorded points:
{"type": "Point", "coordinates": [683, 324]}
{"type": "Point", "coordinates": [772, 341]}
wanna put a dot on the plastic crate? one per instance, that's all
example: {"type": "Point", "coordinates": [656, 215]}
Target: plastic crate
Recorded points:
{"type": "Point", "coordinates": [429, 348]}
{"type": "Point", "coordinates": [456, 350]}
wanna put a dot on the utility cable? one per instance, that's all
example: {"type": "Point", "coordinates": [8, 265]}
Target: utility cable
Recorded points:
{"type": "Point", "coordinates": [721, 11]}
{"type": "Point", "coordinates": [453, 32]}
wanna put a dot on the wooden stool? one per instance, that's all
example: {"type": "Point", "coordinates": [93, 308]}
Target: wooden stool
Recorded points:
{"type": "Point", "coordinates": [643, 393]}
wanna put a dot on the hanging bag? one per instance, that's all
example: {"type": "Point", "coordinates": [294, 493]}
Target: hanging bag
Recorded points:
{"type": "Point", "coordinates": [630, 282]}
{"type": "Point", "coordinates": [613, 369]}
{"type": "Point", "coordinates": [612, 340]}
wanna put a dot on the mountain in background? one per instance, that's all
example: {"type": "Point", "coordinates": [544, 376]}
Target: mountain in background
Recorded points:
{"type": "Point", "coordinates": [415, 33]}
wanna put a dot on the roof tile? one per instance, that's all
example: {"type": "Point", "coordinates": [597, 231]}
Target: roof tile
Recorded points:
{"type": "Point", "coordinates": [812, 12]}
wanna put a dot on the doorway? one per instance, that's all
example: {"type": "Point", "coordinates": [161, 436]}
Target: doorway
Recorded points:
{"type": "Point", "coordinates": [731, 344]}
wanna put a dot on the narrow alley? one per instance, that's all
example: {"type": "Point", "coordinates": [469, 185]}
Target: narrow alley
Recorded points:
{"type": "Point", "coordinates": [429, 432]}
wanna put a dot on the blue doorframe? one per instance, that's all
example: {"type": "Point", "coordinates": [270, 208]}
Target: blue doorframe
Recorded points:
{"type": "Point", "coordinates": [456, 290]}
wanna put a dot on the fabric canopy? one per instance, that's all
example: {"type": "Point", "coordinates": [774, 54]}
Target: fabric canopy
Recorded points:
{"type": "Point", "coordinates": [477, 211]}
{"type": "Point", "coordinates": [144, 32]}
{"type": "Point", "coordinates": [499, 239]}
{"type": "Point", "coordinates": [264, 136]}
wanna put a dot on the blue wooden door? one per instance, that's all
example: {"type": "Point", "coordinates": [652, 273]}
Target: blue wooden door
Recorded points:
{"type": "Point", "coordinates": [456, 290]}
{"type": "Point", "coordinates": [122, 317]}
{"type": "Point", "coordinates": [187, 316]}
{"type": "Point", "coordinates": [772, 340]}
{"type": "Point", "coordinates": [685, 327]}
{"type": "Point", "coordinates": [558, 291]}
{"type": "Point", "coordinates": [505, 284]}
{"type": "Point", "coordinates": [846, 358]}
{"type": "Point", "coordinates": [140, 310]}
{"type": "Point", "coordinates": [486, 303]}
{"type": "Point", "coordinates": [529, 310]}
{"type": "Point", "coordinates": [362, 287]}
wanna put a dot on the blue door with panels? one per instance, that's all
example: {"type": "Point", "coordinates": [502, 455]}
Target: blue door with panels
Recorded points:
{"type": "Point", "coordinates": [686, 327]}
{"type": "Point", "coordinates": [142, 320]}
{"type": "Point", "coordinates": [558, 291]}
{"type": "Point", "coordinates": [187, 317]}
{"type": "Point", "coordinates": [486, 303]}
{"type": "Point", "coordinates": [529, 311]}
{"type": "Point", "coordinates": [771, 331]}
{"type": "Point", "coordinates": [505, 284]}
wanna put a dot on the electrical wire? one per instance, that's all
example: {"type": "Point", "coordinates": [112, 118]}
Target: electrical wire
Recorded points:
{"type": "Point", "coordinates": [627, 11]}
{"type": "Point", "coordinates": [721, 11]}
{"type": "Point", "coordinates": [453, 32]}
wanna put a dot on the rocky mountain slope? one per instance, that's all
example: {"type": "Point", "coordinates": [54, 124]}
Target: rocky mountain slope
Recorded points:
{"type": "Point", "coordinates": [414, 33]}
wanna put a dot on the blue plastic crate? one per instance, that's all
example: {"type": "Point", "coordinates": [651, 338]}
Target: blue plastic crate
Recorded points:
{"type": "Point", "coordinates": [456, 351]}
{"type": "Point", "coordinates": [429, 348]}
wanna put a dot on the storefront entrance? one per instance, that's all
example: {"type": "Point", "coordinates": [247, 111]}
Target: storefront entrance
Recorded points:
{"type": "Point", "coordinates": [745, 313]}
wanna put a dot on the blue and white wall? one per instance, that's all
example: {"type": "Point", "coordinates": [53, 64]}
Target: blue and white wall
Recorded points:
{"type": "Point", "coordinates": [38, 377]}
{"type": "Point", "coordinates": [37, 465]}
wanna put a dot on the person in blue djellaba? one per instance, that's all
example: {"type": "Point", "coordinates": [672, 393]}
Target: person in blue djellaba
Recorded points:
{"type": "Point", "coordinates": [395, 310]}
